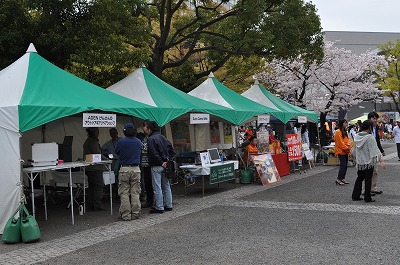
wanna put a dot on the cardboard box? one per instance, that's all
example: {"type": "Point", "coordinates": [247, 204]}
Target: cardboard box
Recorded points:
{"type": "Point", "coordinates": [93, 158]}
{"type": "Point", "coordinates": [333, 161]}
{"type": "Point", "coordinates": [106, 177]}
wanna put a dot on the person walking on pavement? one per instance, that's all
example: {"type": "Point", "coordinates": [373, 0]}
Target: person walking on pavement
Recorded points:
{"type": "Point", "coordinates": [129, 150]}
{"type": "Point", "coordinates": [396, 134]}
{"type": "Point", "coordinates": [373, 116]}
{"type": "Point", "coordinates": [367, 156]}
{"type": "Point", "coordinates": [342, 151]}
{"type": "Point", "coordinates": [160, 150]}
{"type": "Point", "coordinates": [94, 172]}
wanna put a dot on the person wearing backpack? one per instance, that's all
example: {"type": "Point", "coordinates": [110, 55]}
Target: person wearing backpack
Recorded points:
{"type": "Point", "coordinates": [160, 151]}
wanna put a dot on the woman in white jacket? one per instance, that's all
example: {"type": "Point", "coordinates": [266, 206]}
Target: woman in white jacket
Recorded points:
{"type": "Point", "coordinates": [367, 156]}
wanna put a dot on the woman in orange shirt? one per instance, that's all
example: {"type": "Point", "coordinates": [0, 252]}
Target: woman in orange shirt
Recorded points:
{"type": "Point", "coordinates": [342, 151]}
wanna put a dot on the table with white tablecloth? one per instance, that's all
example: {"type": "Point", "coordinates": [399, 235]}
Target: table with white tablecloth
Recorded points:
{"type": "Point", "coordinates": [33, 172]}
{"type": "Point", "coordinates": [201, 171]}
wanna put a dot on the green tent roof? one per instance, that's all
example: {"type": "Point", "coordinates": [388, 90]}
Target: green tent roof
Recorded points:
{"type": "Point", "coordinates": [214, 91]}
{"type": "Point", "coordinates": [145, 87]}
{"type": "Point", "coordinates": [47, 93]}
{"type": "Point", "coordinates": [261, 95]}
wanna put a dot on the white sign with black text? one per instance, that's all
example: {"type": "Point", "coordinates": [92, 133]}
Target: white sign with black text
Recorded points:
{"type": "Point", "coordinates": [263, 119]}
{"type": "Point", "coordinates": [199, 118]}
{"type": "Point", "coordinates": [99, 120]}
{"type": "Point", "coordinates": [302, 119]}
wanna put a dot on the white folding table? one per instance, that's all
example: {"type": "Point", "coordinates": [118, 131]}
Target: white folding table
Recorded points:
{"type": "Point", "coordinates": [33, 172]}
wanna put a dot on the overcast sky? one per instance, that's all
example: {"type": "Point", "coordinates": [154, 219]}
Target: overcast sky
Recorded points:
{"type": "Point", "coordinates": [359, 15]}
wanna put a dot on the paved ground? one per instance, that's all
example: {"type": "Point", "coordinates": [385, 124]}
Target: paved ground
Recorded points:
{"type": "Point", "coordinates": [305, 219]}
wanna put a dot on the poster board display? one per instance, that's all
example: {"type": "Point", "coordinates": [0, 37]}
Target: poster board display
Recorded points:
{"type": "Point", "coordinates": [205, 159]}
{"type": "Point", "coordinates": [263, 141]}
{"type": "Point", "coordinates": [294, 147]}
{"type": "Point", "coordinates": [266, 169]}
{"type": "Point", "coordinates": [307, 152]}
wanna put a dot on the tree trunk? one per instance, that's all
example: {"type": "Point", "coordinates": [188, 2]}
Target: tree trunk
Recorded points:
{"type": "Point", "coordinates": [157, 62]}
{"type": "Point", "coordinates": [322, 133]}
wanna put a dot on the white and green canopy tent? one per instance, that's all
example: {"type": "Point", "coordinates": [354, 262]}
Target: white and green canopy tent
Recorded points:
{"type": "Point", "coordinates": [213, 91]}
{"type": "Point", "coordinates": [262, 96]}
{"type": "Point", "coordinates": [145, 87]}
{"type": "Point", "coordinates": [35, 92]}
{"type": "Point", "coordinates": [361, 118]}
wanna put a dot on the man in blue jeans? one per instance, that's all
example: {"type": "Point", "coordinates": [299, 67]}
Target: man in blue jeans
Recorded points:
{"type": "Point", "coordinates": [159, 150]}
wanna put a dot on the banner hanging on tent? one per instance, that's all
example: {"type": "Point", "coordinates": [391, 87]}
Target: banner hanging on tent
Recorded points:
{"type": "Point", "coordinates": [302, 119]}
{"type": "Point", "coordinates": [199, 118]}
{"type": "Point", "coordinates": [263, 119]}
{"type": "Point", "coordinates": [99, 120]}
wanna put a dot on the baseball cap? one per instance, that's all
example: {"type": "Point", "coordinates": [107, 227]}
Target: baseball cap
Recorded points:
{"type": "Point", "coordinates": [129, 125]}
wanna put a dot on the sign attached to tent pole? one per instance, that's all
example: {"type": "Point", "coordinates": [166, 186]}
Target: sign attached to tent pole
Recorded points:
{"type": "Point", "coordinates": [99, 120]}
{"type": "Point", "coordinates": [302, 119]}
{"type": "Point", "coordinates": [199, 118]}
{"type": "Point", "coordinates": [263, 119]}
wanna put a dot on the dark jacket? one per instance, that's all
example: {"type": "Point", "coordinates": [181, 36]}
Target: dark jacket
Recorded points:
{"type": "Point", "coordinates": [159, 149]}
{"type": "Point", "coordinates": [378, 140]}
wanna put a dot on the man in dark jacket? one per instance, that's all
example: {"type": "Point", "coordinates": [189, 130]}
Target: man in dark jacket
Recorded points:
{"type": "Point", "coordinates": [159, 150]}
{"type": "Point", "coordinates": [373, 116]}
{"type": "Point", "coordinates": [94, 172]}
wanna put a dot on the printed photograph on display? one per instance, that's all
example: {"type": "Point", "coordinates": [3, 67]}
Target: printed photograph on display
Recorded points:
{"type": "Point", "coordinates": [227, 133]}
{"type": "Point", "coordinates": [266, 169]}
{"type": "Point", "coordinates": [205, 159]}
{"type": "Point", "coordinates": [180, 135]}
{"type": "Point", "coordinates": [215, 138]}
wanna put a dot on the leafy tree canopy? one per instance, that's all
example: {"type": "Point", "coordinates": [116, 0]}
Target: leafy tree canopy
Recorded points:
{"type": "Point", "coordinates": [391, 82]}
{"type": "Point", "coordinates": [104, 40]}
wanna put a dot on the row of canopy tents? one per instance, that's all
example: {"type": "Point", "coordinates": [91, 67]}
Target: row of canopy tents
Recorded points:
{"type": "Point", "coordinates": [36, 92]}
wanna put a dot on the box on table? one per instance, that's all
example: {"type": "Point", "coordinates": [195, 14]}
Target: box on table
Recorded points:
{"type": "Point", "coordinates": [106, 177]}
{"type": "Point", "coordinates": [93, 158]}
{"type": "Point", "coordinates": [333, 161]}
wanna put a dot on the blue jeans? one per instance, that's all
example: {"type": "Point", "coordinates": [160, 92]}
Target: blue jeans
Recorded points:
{"type": "Point", "coordinates": [161, 186]}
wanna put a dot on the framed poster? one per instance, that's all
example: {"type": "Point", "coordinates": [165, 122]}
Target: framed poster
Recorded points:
{"type": "Point", "coordinates": [266, 169]}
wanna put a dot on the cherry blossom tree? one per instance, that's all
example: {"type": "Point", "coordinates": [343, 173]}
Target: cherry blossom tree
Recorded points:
{"type": "Point", "coordinates": [341, 79]}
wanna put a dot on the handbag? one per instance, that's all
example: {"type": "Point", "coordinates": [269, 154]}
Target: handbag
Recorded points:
{"type": "Point", "coordinates": [170, 169]}
{"type": "Point", "coordinates": [12, 230]}
{"type": "Point", "coordinates": [30, 231]}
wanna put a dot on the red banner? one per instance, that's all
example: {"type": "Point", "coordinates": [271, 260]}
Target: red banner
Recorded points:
{"type": "Point", "coordinates": [294, 147]}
